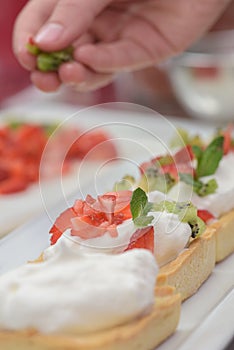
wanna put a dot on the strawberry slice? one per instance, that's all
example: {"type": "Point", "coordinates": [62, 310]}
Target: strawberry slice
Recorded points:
{"type": "Point", "coordinates": [205, 215]}
{"type": "Point", "coordinates": [12, 185]}
{"type": "Point", "coordinates": [184, 155]}
{"type": "Point", "coordinates": [62, 223]}
{"type": "Point", "coordinates": [227, 145]}
{"type": "Point", "coordinates": [143, 238]}
{"type": "Point", "coordinates": [94, 217]}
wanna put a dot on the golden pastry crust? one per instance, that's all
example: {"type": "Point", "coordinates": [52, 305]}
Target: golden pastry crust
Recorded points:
{"type": "Point", "coordinates": [142, 334]}
{"type": "Point", "coordinates": [225, 236]}
{"type": "Point", "coordinates": [193, 266]}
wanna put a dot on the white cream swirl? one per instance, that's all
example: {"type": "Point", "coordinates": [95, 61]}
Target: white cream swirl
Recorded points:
{"type": "Point", "coordinates": [73, 291]}
{"type": "Point", "coordinates": [171, 236]}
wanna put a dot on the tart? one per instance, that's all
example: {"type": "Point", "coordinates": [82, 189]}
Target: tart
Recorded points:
{"type": "Point", "coordinates": [224, 236]}
{"type": "Point", "coordinates": [192, 267]}
{"type": "Point", "coordinates": [204, 173]}
{"type": "Point", "coordinates": [187, 256]}
{"type": "Point", "coordinates": [144, 333]}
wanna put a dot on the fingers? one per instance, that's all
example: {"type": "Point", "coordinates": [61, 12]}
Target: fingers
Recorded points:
{"type": "Point", "coordinates": [150, 34]}
{"type": "Point", "coordinates": [46, 82]}
{"type": "Point", "coordinates": [122, 55]}
{"type": "Point", "coordinates": [73, 74]}
{"type": "Point", "coordinates": [54, 25]}
{"type": "Point", "coordinates": [69, 20]}
{"type": "Point", "coordinates": [31, 18]}
{"type": "Point", "coordinates": [82, 78]}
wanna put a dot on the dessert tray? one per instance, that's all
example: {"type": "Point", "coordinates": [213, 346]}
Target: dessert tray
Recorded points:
{"type": "Point", "coordinates": [207, 317]}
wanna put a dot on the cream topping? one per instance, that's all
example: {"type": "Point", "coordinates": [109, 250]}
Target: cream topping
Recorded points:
{"type": "Point", "coordinates": [74, 291]}
{"type": "Point", "coordinates": [170, 236]}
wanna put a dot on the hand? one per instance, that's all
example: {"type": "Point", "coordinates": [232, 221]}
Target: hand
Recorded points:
{"type": "Point", "coordinates": [109, 36]}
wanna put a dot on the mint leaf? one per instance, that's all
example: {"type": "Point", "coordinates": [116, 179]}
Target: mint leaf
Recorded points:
{"type": "Point", "coordinates": [197, 152]}
{"type": "Point", "coordinates": [138, 202]}
{"type": "Point", "coordinates": [143, 221]}
{"type": "Point", "coordinates": [189, 180]}
{"type": "Point", "coordinates": [210, 158]}
{"type": "Point", "coordinates": [140, 207]}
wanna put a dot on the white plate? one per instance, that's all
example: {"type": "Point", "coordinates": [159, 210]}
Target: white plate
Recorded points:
{"type": "Point", "coordinates": [207, 318]}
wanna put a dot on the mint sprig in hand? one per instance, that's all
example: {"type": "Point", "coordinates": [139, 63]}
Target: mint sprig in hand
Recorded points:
{"type": "Point", "coordinates": [207, 163]}
{"type": "Point", "coordinates": [140, 208]}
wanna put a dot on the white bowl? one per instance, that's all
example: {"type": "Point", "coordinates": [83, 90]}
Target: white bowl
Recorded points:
{"type": "Point", "coordinates": [203, 77]}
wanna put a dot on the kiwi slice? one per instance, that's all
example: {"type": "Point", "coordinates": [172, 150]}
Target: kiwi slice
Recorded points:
{"type": "Point", "coordinates": [126, 183]}
{"type": "Point", "coordinates": [153, 180]}
{"type": "Point", "coordinates": [197, 227]}
{"type": "Point", "coordinates": [183, 138]}
{"type": "Point", "coordinates": [186, 212]}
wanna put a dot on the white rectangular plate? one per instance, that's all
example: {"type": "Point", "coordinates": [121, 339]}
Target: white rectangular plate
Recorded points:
{"type": "Point", "coordinates": [207, 317]}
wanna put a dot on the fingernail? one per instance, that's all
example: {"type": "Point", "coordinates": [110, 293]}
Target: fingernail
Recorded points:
{"type": "Point", "coordinates": [50, 32]}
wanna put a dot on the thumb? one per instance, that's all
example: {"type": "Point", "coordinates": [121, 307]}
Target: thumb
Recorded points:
{"type": "Point", "coordinates": [69, 20]}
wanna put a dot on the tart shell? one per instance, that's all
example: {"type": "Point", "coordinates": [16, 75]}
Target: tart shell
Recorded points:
{"type": "Point", "coordinates": [193, 266]}
{"type": "Point", "coordinates": [225, 236]}
{"type": "Point", "coordinates": [142, 334]}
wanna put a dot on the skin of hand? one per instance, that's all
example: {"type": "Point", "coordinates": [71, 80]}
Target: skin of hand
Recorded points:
{"type": "Point", "coordinates": [109, 36]}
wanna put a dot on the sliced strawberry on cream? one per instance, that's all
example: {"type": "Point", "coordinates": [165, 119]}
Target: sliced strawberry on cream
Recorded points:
{"type": "Point", "coordinates": [205, 215]}
{"type": "Point", "coordinates": [227, 145]}
{"type": "Point", "coordinates": [143, 238]}
{"type": "Point", "coordinates": [94, 217]}
{"type": "Point", "coordinates": [119, 221]}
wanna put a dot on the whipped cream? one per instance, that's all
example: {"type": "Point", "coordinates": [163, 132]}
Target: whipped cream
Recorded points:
{"type": "Point", "coordinates": [74, 291]}
{"type": "Point", "coordinates": [171, 236]}
{"type": "Point", "coordinates": [106, 242]}
{"type": "Point", "coordinates": [219, 202]}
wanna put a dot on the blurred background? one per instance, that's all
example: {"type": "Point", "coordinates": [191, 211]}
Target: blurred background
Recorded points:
{"type": "Point", "coordinates": [13, 78]}
{"type": "Point", "coordinates": [197, 84]}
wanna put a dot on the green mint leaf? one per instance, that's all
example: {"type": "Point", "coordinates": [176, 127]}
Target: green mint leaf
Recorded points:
{"type": "Point", "coordinates": [138, 202]}
{"type": "Point", "coordinates": [148, 207]}
{"type": "Point", "coordinates": [140, 207]}
{"type": "Point", "coordinates": [143, 221]}
{"type": "Point", "coordinates": [209, 161]}
{"type": "Point", "coordinates": [189, 180]}
{"type": "Point", "coordinates": [197, 152]}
